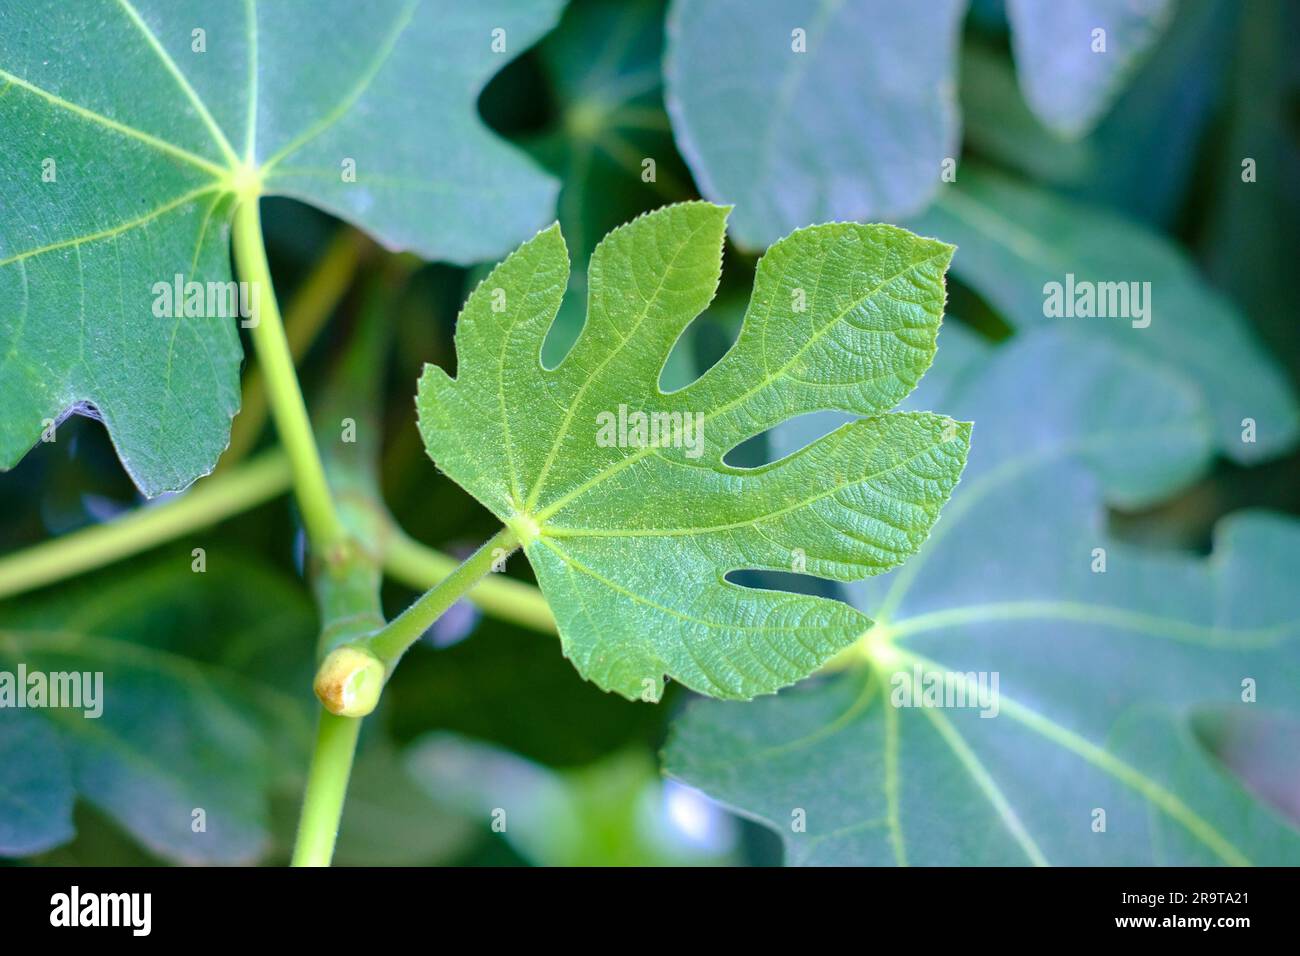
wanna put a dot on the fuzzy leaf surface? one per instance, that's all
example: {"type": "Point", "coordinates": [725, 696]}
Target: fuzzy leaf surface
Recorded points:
{"type": "Point", "coordinates": [632, 540]}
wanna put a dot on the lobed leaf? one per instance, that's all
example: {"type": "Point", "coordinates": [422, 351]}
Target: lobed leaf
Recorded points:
{"type": "Point", "coordinates": [632, 540]}
{"type": "Point", "coordinates": [611, 145]}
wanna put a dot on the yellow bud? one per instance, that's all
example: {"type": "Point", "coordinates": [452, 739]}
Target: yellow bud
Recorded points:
{"type": "Point", "coordinates": [349, 682]}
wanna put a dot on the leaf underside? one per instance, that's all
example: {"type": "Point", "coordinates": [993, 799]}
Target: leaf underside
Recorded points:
{"type": "Point", "coordinates": [632, 543]}
{"type": "Point", "coordinates": [1101, 674]}
{"type": "Point", "coordinates": [1068, 72]}
{"type": "Point", "coordinates": [1002, 229]}
{"type": "Point", "coordinates": [127, 147]}
{"type": "Point", "coordinates": [850, 118]}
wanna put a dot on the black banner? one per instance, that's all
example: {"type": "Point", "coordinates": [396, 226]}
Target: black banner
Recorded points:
{"type": "Point", "coordinates": [342, 905]}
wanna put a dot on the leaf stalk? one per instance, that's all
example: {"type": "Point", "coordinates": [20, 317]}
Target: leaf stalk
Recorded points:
{"type": "Point", "coordinates": [320, 516]}
{"type": "Point", "coordinates": [392, 641]}
{"type": "Point", "coordinates": [212, 500]}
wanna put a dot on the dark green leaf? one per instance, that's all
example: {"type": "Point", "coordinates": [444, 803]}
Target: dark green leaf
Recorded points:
{"type": "Point", "coordinates": [129, 139]}
{"type": "Point", "coordinates": [35, 795]}
{"type": "Point", "coordinates": [185, 726]}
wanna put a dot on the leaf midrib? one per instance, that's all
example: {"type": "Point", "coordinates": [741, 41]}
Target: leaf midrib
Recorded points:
{"type": "Point", "coordinates": [123, 129]}
{"type": "Point", "coordinates": [1154, 625]}
{"type": "Point", "coordinates": [577, 565]}
{"type": "Point", "coordinates": [562, 531]}
{"type": "Point", "coordinates": [975, 768]}
{"type": "Point", "coordinates": [1153, 793]}
{"type": "Point", "coordinates": [218, 135]}
{"type": "Point", "coordinates": [113, 231]}
{"type": "Point", "coordinates": [341, 109]}
{"type": "Point", "coordinates": [1105, 761]}
{"type": "Point", "coordinates": [562, 432]}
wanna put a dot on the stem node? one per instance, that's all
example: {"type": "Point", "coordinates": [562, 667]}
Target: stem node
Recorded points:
{"type": "Point", "coordinates": [349, 681]}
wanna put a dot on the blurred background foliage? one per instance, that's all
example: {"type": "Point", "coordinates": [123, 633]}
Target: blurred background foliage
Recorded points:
{"type": "Point", "coordinates": [485, 716]}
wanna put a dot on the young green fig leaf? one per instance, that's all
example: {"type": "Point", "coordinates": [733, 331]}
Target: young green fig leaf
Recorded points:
{"type": "Point", "coordinates": [620, 493]}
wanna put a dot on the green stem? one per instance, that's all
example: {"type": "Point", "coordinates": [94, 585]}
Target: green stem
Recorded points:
{"type": "Point", "coordinates": [336, 738]}
{"type": "Point", "coordinates": [405, 629]}
{"type": "Point", "coordinates": [421, 567]}
{"type": "Point", "coordinates": [208, 502]}
{"type": "Point", "coordinates": [319, 514]}
{"type": "Point", "coordinates": [327, 786]}
{"type": "Point", "coordinates": [304, 317]}
{"type": "Point", "coordinates": [229, 493]}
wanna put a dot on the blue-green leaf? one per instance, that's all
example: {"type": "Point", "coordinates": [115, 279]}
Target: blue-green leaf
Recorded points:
{"type": "Point", "coordinates": [799, 111]}
{"type": "Point", "coordinates": [1104, 654]}
{"type": "Point", "coordinates": [131, 130]}
{"type": "Point", "coordinates": [185, 740]}
{"type": "Point", "coordinates": [1072, 56]}
{"type": "Point", "coordinates": [1020, 245]}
